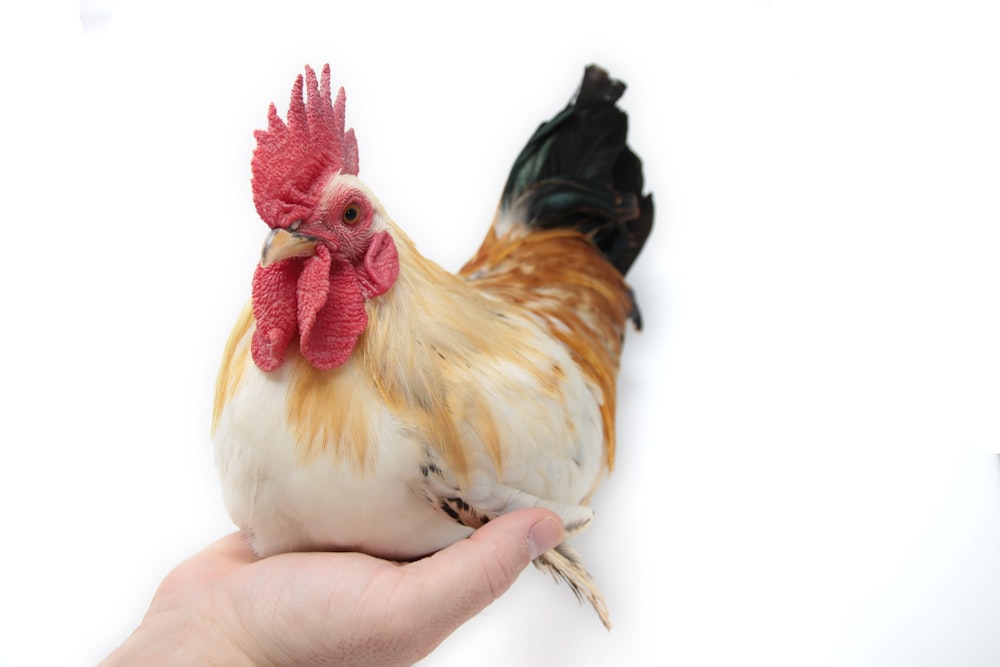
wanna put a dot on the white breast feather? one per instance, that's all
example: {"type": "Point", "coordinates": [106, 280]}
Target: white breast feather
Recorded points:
{"type": "Point", "coordinates": [552, 449]}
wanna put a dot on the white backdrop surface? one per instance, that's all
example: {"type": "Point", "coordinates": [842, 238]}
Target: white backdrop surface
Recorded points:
{"type": "Point", "coordinates": [808, 427]}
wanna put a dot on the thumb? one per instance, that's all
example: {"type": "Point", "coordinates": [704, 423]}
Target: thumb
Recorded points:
{"type": "Point", "coordinates": [460, 581]}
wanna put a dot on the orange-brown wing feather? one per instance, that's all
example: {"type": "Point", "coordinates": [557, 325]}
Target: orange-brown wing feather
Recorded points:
{"type": "Point", "coordinates": [561, 277]}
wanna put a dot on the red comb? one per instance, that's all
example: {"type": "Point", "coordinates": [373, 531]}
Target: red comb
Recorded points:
{"type": "Point", "coordinates": [294, 160]}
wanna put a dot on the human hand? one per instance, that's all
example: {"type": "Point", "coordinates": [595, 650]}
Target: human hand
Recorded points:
{"type": "Point", "coordinates": [224, 606]}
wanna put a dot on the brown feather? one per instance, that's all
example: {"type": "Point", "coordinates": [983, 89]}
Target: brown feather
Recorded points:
{"type": "Point", "coordinates": [324, 412]}
{"type": "Point", "coordinates": [435, 335]}
{"type": "Point", "coordinates": [584, 302]}
{"type": "Point", "coordinates": [330, 412]}
{"type": "Point", "coordinates": [564, 563]}
{"type": "Point", "coordinates": [235, 358]}
{"type": "Point", "coordinates": [429, 341]}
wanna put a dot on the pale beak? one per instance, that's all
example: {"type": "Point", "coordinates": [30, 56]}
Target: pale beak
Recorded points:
{"type": "Point", "coordinates": [282, 244]}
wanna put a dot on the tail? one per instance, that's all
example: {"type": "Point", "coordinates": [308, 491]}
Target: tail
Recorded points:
{"type": "Point", "coordinates": [563, 562]}
{"type": "Point", "coordinates": [577, 172]}
{"type": "Point", "coordinates": [574, 195]}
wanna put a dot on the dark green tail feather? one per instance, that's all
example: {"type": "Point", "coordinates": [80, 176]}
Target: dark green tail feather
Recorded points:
{"type": "Point", "coordinates": [577, 171]}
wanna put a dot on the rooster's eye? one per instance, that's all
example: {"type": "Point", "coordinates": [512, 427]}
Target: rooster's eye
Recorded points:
{"type": "Point", "coordinates": [351, 214]}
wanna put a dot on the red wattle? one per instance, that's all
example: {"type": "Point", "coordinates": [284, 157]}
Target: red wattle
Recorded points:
{"type": "Point", "coordinates": [274, 309]}
{"type": "Point", "coordinates": [321, 299]}
{"type": "Point", "coordinates": [331, 310]}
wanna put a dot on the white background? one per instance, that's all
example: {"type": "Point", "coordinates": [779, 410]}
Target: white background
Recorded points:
{"type": "Point", "coordinates": [805, 473]}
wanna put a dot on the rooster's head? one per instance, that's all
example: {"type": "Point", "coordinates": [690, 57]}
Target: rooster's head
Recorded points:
{"type": "Point", "coordinates": [329, 248]}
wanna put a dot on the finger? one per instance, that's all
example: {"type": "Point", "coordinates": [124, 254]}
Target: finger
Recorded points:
{"type": "Point", "coordinates": [463, 579]}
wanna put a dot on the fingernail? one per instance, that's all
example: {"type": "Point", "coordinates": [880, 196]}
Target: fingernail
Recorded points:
{"type": "Point", "coordinates": [543, 536]}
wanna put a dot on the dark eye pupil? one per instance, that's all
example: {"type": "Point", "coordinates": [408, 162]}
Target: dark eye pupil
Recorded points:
{"type": "Point", "coordinates": [351, 213]}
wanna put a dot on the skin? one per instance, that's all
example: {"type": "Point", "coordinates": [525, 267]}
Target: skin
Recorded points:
{"type": "Point", "coordinates": [225, 606]}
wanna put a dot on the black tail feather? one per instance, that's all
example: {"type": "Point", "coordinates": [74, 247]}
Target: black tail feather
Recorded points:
{"type": "Point", "coordinates": [577, 171]}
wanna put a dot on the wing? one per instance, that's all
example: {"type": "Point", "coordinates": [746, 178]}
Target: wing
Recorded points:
{"type": "Point", "coordinates": [571, 221]}
{"type": "Point", "coordinates": [482, 502]}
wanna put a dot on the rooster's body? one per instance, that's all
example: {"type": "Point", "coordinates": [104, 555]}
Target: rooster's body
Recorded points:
{"type": "Point", "coordinates": [371, 401]}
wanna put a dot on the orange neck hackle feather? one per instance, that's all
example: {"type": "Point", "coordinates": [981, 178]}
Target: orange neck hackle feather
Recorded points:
{"type": "Point", "coordinates": [417, 356]}
{"type": "Point", "coordinates": [433, 335]}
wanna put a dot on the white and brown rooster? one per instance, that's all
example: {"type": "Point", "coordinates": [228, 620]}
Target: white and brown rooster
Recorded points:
{"type": "Point", "coordinates": [371, 401]}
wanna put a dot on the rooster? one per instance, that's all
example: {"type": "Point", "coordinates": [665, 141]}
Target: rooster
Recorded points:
{"type": "Point", "coordinates": [368, 400]}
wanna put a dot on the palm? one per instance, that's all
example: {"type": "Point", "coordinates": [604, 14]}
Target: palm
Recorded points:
{"type": "Point", "coordinates": [342, 608]}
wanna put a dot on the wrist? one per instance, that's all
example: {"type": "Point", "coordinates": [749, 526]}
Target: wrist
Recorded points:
{"type": "Point", "coordinates": [177, 638]}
